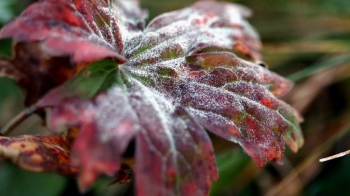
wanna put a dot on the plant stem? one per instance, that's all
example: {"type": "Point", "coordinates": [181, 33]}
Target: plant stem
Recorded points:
{"type": "Point", "coordinates": [10, 126]}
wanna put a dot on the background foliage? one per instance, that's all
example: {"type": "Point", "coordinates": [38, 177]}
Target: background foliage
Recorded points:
{"type": "Point", "coordinates": [307, 41]}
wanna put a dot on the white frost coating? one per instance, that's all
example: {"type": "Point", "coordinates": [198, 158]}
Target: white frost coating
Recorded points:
{"type": "Point", "coordinates": [128, 5]}
{"type": "Point", "coordinates": [168, 18]}
{"type": "Point", "coordinates": [94, 34]}
{"type": "Point", "coordinates": [108, 11]}
{"type": "Point", "coordinates": [124, 32]}
{"type": "Point", "coordinates": [261, 110]}
{"type": "Point", "coordinates": [233, 14]}
{"type": "Point", "coordinates": [176, 64]}
{"type": "Point", "coordinates": [166, 105]}
{"type": "Point", "coordinates": [126, 15]}
{"type": "Point", "coordinates": [150, 97]}
{"type": "Point", "coordinates": [110, 104]}
{"type": "Point", "coordinates": [218, 119]}
{"type": "Point", "coordinates": [84, 20]}
{"type": "Point", "coordinates": [183, 27]}
{"type": "Point", "coordinates": [269, 114]}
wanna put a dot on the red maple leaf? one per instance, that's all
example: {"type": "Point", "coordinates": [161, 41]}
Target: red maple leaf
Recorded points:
{"type": "Point", "coordinates": [102, 72]}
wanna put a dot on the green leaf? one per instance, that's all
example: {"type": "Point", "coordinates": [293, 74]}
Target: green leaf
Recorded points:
{"type": "Point", "coordinates": [6, 47]}
{"type": "Point", "coordinates": [98, 76]}
{"type": "Point", "coordinates": [18, 182]}
{"type": "Point", "coordinates": [9, 91]}
{"type": "Point", "coordinates": [6, 11]}
{"type": "Point", "coordinates": [230, 165]}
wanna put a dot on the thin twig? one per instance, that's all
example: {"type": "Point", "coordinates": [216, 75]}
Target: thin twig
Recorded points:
{"type": "Point", "coordinates": [10, 126]}
{"type": "Point", "coordinates": [335, 156]}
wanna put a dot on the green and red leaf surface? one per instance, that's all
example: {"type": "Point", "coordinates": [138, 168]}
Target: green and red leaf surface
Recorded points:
{"type": "Point", "coordinates": [160, 86]}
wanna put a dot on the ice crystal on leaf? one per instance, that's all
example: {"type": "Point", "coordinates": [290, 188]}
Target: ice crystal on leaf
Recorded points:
{"type": "Point", "coordinates": [115, 81]}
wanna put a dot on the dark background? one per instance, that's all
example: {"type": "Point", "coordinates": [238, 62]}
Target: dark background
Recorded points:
{"type": "Point", "coordinates": [307, 41]}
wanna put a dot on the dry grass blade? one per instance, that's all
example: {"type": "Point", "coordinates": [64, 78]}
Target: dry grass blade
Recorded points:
{"type": "Point", "coordinates": [335, 156]}
{"type": "Point", "coordinates": [302, 95]}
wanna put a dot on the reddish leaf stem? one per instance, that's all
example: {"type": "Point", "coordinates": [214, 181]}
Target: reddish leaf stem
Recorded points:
{"type": "Point", "coordinates": [10, 126]}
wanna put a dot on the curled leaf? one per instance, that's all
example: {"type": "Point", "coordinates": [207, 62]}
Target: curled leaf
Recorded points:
{"type": "Point", "coordinates": [39, 153]}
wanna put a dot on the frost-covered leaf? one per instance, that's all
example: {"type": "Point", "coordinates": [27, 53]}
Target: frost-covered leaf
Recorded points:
{"type": "Point", "coordinates": [231, 97]}
{"type": "Point", "coordinates": [157, 88]}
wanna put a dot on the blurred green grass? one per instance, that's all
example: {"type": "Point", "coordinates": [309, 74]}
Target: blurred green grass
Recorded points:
{"type": "Point", "coordinates": [307, 41]}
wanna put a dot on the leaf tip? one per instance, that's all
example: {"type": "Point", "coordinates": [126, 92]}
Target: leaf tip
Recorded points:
{"type": "Point", "coordinates": [85, 180]}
